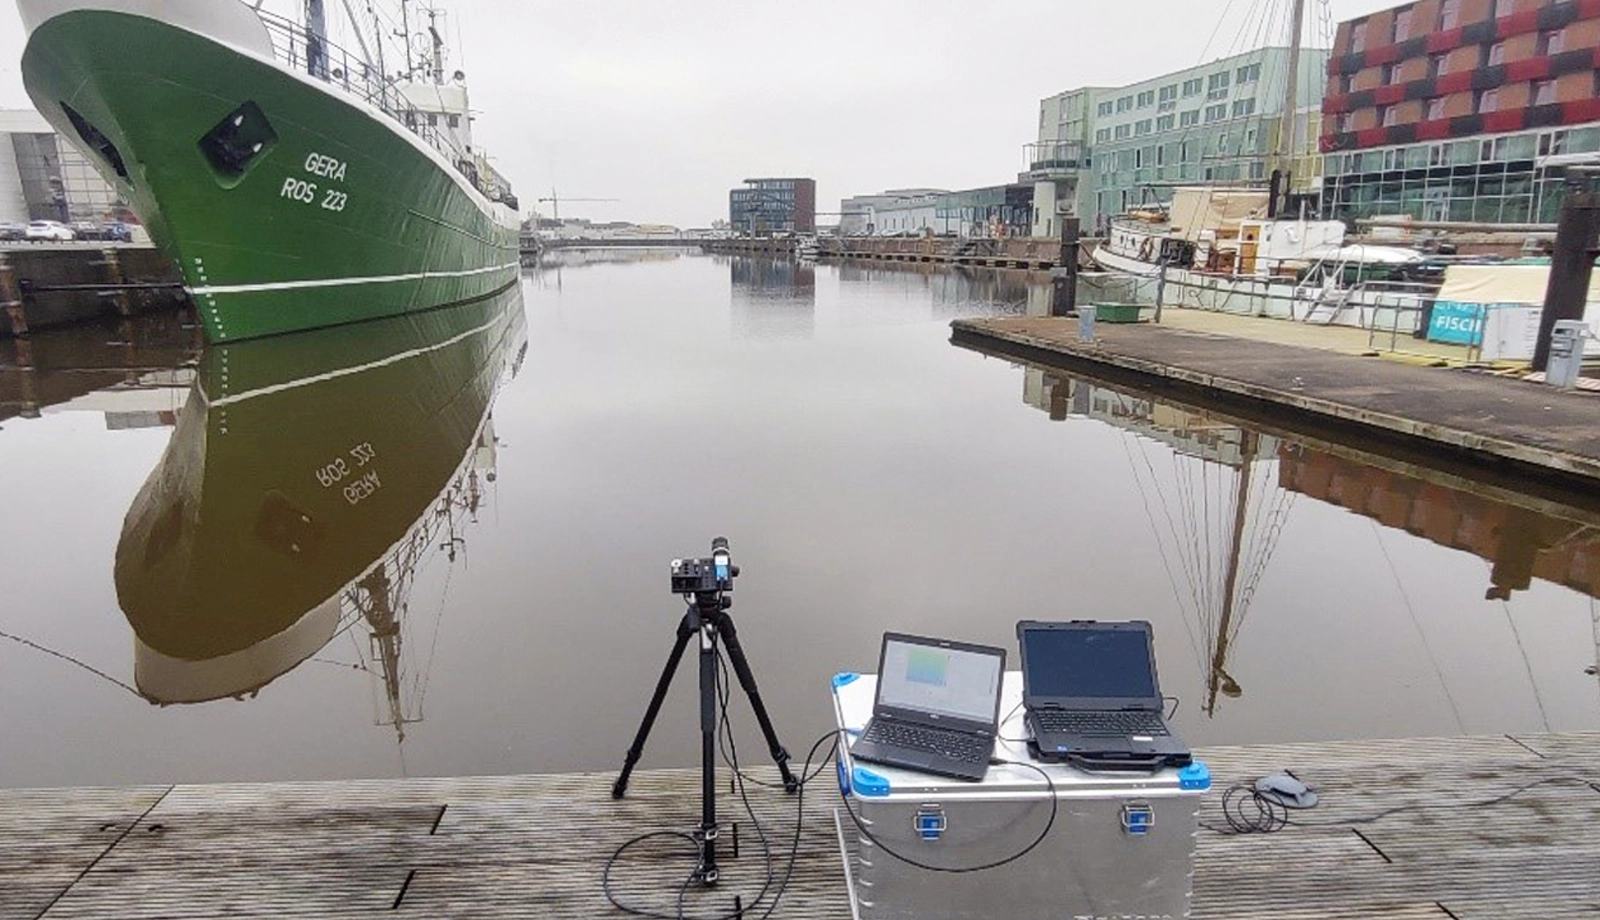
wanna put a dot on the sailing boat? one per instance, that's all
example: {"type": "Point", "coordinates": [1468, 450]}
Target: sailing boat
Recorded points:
{"type": "Point", "coordinates": [308, 479]}
{"type": "Point", "coordinates": [1239, 250]}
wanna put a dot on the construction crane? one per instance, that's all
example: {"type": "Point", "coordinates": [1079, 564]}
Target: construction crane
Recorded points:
{"type": "Point", "coordinates": [555, 203]}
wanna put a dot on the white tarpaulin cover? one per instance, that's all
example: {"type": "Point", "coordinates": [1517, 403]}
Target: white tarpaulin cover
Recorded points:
{"type": "Point", "coordinates": [1515, 296]}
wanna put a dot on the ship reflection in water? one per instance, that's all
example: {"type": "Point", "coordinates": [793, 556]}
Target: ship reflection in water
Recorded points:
{"type": "Point", "coordinates": [1217, 493]}
{"type": "Point", "coordinates": [308, 478]}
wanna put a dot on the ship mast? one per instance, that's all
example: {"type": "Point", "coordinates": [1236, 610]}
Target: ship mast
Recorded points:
{"type": "Point", "coordinates": [1218, 678]}
{"type": "Point", "coordinates": [1283, 162]}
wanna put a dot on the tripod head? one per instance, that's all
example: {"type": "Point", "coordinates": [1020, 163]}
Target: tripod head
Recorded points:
{"type": "Point", "coordinates": [705, 580]}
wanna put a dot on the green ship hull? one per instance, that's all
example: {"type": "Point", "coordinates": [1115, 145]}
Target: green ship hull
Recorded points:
{"type": "Point", "coordinates": [286, 203]}
{"type": "Point", "coordinates": [304, 471]}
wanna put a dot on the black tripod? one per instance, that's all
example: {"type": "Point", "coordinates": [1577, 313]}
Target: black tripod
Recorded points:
{"type": "Point", "coordinates": [708, 618]}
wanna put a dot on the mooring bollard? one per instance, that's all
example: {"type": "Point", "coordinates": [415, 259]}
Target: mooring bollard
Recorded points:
{"type": "Point", "coordinates": [1086, 322]}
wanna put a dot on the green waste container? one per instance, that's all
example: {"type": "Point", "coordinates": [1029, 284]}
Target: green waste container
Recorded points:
{"type": "Point", "coordinates": [1117, 312]}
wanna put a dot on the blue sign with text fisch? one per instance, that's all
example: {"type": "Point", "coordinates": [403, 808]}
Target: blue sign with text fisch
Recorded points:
{"type": "Point", "coordinates": [1457, 323]}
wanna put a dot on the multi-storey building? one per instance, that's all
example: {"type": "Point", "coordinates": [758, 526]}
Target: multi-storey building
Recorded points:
{"type": "Point", "coordinates": [992, 211]}
{"type": "Point", "coordinates": [766, 206]}
{"type": "Point", "coordinates": [1102, 151]}
{"type": "Point", "coordinates": [1461, 110]}
{"type": "Point", "coordinates": [42, 177]}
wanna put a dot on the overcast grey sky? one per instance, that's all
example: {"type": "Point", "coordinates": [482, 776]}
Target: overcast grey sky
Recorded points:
{"type": "Point", "coordinates": [667, 105]}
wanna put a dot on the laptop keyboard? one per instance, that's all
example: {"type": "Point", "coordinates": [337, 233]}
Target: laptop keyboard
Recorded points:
{"type": "Point", "coordinates": [952, 744]}
{"type": "Point", "coordinates": [1109, 724]}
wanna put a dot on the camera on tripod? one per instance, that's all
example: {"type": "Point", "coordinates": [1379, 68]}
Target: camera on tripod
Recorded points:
{"type": "Point", "coordinates": [706, 575]}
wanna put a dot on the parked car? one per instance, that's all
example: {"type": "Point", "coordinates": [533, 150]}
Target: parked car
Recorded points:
{"type": "Point", "coordinates": [116, 231]}
{"type": "Point", "coordinates": [49, 230]}
{"type": "Point", "coordinates": [11, 231]}
{"type": "Point", "coordinates": [85, 230]}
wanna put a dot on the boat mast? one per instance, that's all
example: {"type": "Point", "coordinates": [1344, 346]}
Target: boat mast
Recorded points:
{"type": "Point", "coordinates": [1218, 678]}
{"type": "Point", "coordinates": [405, 36]}
{"type": "Point", "coordinates": [1283, 162]}
{"type": "Point", "coordinates": [438, 46]}
{"type": "Point", "coordinates": [316, 40]}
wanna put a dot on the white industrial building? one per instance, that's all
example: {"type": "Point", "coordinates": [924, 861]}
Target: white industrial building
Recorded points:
{"type": "Point", "coordinates": [43, 177]}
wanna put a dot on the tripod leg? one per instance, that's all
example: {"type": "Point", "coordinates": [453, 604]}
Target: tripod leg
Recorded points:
{"type": "Point", "coordinates": [747, 680]}
{"type": "Point", "coordinates": [685, 630]}
{"type": "Point", "coordinates": [708, 754]}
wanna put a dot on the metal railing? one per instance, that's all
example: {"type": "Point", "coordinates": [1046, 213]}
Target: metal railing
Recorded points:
{"type": "Point", "coordinates": [1054, 155]}
{"type": "Point", "coordinates": [291, 45]}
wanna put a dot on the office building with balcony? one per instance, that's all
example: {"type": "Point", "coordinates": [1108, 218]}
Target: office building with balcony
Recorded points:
{"type": "Point", "coordinates": [1461, 110]}
{"type": "Point", "coordinates": [1103, 151]}
{"type": "Point", "coordinates": [767, 206]}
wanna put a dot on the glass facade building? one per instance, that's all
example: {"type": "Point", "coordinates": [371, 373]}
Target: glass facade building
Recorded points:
{"type": "Point", "coordinates": [1461, 110]}
{"type": "Point", "coordinates": [1216, 123]}
{"type": "Point", "coordinates": [767, 206]}
{"type": "Point", "coordinates": [42, 177]}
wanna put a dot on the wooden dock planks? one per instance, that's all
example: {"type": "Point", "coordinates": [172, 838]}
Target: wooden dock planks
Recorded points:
{"type": "Point", "coordinates": [535, 846]}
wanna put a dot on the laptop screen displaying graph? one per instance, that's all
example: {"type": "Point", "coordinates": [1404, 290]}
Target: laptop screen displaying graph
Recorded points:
{"type": "Point", "coordinates": [943, 681]}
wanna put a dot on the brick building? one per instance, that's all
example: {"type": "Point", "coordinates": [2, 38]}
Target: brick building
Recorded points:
{"type": "Point", "coordinates": [1462, 110]}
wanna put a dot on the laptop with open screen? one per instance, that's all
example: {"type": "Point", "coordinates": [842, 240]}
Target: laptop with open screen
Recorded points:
{"type": "Point", "coordinates": [937, 707]}
{"type": "Point", "coordinates": [1091, 693]}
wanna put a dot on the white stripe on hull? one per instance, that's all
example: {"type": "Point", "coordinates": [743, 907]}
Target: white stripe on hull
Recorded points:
{"type": "Point", "coordinates": [336, 282]}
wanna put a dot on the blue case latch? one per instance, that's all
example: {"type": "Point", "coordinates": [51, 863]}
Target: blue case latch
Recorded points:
{"type": "Point", "coordinates": [1138, 819]}
{"type": "Point", "coordinates": [929, 822]}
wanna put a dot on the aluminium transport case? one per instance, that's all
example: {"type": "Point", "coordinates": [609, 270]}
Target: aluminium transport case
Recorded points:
{"type": "Point", "coordinates": [1122, 845]}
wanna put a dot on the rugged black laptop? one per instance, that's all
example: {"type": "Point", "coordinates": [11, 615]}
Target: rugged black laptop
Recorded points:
{"type": "Point", "coordinates": [937, 708]}
{"type": "Point", "coordinates": [1092, 695]}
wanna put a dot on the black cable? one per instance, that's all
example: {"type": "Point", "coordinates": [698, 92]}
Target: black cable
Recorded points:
{"type": "Point", "coordinates": [1265, 815]}
{"type": "Point", "coordinates": [1045, 831]}
{"type": "Point", "coordinates": [769, 892]}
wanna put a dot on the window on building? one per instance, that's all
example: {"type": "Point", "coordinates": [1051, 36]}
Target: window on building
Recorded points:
{"type": "Point", "coordinates": [1358, 37]}
{"type": "Point", "coordinates": [1125, 103]}
{"type": "Point", "coordinates": [1104, 108]}
{"type": "Point", "coordinates": [1388, 116]}
{"type": "Point", "coordinates": [1386, 75]}
{"type": "Point", "coordinates": [1222, 142]}
{"type": "Point", "coordinates": [454, 121]}
{"type": "Point", "coordinates": [1161, 155]}
{"type": "Point", "coordinates": [1435, 109]}
{"type": "Point", "coordinates": [1497, 53]}
{"type": "Point", "coordinates": [1188, 119]}
{"type": "Point", "coordinates": [1141, 127]}
{"type": "Point", "coordinates": [1192, 87]}
{"type": "Point", "coordinates": [1138, 158]}
{"type": "Point", "coordinates": [1169, 93]}
{"type": "Point", "coordinates": [1148, 97]}
{"type": "Point", "coordinates": [1544, 92]}
{"type": "Point", "coordinates": [1436, 155]}
{"type": "Point", "coordinates": [1216, 112]}
{"type": "Point", "coordinates": [1488, 101]}
{"type": "Point", "coordinates": [1345, 123]}
{"type": "Point", "coordinates": [1123, 131]}
{"type": "Point", "coordinates": [1553, 143]}
{"type": "Point", "coordinates": [1438, 65]}
{"type": "Point", "coordinates": [1402, 26]}
{"type": "Point", "coordinates": [1449, 14]}
{"type": "Point", "coordinates": [1101, 135]}
{"type": "Point", "coordinates": [1243, 107]}
{"type": "Point", "coordinates": [1183, 151]}
{"type": "Point", "coordinates": [1165, 122]}
{"type": "Point", "coordinates": [1218, 81]}
{"type": "Point", "coordinates": [1504, 8]}
{"type": "Point", "coordinates": [1249, 73]}
{"type": "Point", "coordinates": [1549, 43]}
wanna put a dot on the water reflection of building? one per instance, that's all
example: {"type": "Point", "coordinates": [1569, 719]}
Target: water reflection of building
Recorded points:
{"type": "Point", "coordinates": [944, 292]}
{"type": "Point", "coordinates": [1520, 544]}
{"type": "Point", "coordinates": [136, 374]}
{"type": "Point", "coordinates": [773, 298]}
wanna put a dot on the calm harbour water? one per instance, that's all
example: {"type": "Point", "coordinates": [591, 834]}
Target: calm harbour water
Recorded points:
{"type": "Point", "coordinates": [293, 556]}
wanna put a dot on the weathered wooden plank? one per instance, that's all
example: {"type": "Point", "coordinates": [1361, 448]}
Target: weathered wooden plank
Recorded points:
{"type": "Point", "coordinates": [487, 847]}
